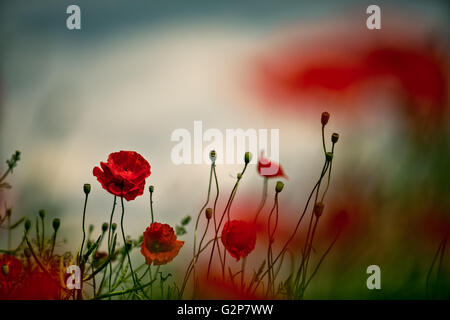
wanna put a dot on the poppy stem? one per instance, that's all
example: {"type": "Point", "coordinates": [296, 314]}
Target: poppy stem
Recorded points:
{"type": "Point", "coordinates": [9, 232]}
{"type": "Point", "coordinates": [306, 247]}
{"type": "Point", "coordinates": [53, 243]}
{"type": "Point", "coordinates": [242, 273]}
{"type": "Point", "coordinates": [43, 234]}
{"type": "Point", "coordinates": [198, 219]}
{"type": "Point", "coordinates": [35, 256]}
{"type": "Point", "coordinates": [263, 200]}
{"type": "Point", "coordinates": [38, 235]}
{"type": "Point", "coordinates": [186, 277]}
{"type": "Point", "coordinates": [323, 139]}
{"type": "Point", "coordinates": [329, 174]}
{"type": "Point", "coordinates": [124, 238]}
{"type": "Point", "coordinates": [227, 209]}
{"type": "Point", "coordinates": [214, 211]}
{"type": "Point", "coordinates": [80, 254]}
{"type": "Point", "coordinates": [151, 204]}
{"type": "Point", "coordinates": [270, 234]}
{"type": "Point", "coordinates": [216, 227]}
{"type": "Point", "coordinates": [430, 271]}
{"type": "Point", "coordinates": [109, 243]}
{"type": "Point", "coordinates": [293, 233]}
{"type": "Point", "coordinates": [321, 259]}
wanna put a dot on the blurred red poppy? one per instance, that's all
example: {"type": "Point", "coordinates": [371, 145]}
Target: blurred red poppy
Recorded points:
{"type": "Point", "coordinates": [216, 288]}
{"type": "Point", "coordinates": [123, 174]}
{"type": "Point", "coordinates": [342, 68]}
{"type": "Point", "coordinates": [10, 271]}
{"type": "Point", "coordinates": [269, 169]}
{"type": "Point", "coordinates": [239, 238]}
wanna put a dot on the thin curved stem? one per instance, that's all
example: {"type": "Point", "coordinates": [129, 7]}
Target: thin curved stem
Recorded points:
{"type": "Point", "coordinates": [263, 199]}
{"type": "Point", "coordinates": [124, 238]}
{"type": "Point", "coordinates": [84, 229]}
{"type": "Point", "coordinates": [151, 206]}
{"type": "Point", "coordinates": [109, 243]}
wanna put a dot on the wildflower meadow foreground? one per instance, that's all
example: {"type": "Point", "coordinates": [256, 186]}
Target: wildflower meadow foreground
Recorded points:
{"type": "Point", "coordinates": [100, 267]}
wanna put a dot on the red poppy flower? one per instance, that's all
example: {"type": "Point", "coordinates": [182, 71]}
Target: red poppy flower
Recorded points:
{"type": "Point", "coordinates": [38, 285]}
{"type": "Point", "coordinates": [239, 238]}
{"type": "Point", "coordinates": [269, 169]}
{"type": "Point", "coordinates": [343, 63]}
{"type": "Point", "coordinates": [160, 244]}
{"type": "Point", "coordinates": [125, 170]}
{"type": "Point", "coordinates": [10, 268]}
{"type": "Point", "coordinates": [10, 271]}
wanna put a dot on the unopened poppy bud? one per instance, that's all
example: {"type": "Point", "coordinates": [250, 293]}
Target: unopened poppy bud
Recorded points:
{"type": "Point", "coordinates": [104, 227]}
{"type": "Point", "coordinates": [151, 189]}
{"type": "Point", "coordinates": [185, 220]}
{"type": "Point", "coordinates": [325, 117]}
{"type": "Point", "coordinates": [42, 214]}
{"type": "Point", "coordinates": [129, 244]}
{"type": "Point", "coordinates": [329, 156]}
{"type": "Point", "coordinates": [56, 222]}
{"type": "Point", "coordinates": [87, 188]}
{"type": "Point", "coordinates": [5, 269]}
{"type": "Point", "coordinates": [114, 226]}
{"type": "Point", "coordinates": [335, 137]}
{"type": "Point", "coordinates": [248, 157]}
{"type": "Point", "coordinates": [239, 176]}
{"type": "Point", "coordinates": [27, 225]}
{"type": "Point", "coordinates": [8, 212]}
{"type": "Point", "coordinates": [213, 155]}
{"type": "Point", "coordinates": [91, 228]}
{"type": "Point", "coordinates": [279, 186]}
{"type": "Point", "coordinates": [208, 213]}
{"type": "Point", "coordinates": [318, 209]}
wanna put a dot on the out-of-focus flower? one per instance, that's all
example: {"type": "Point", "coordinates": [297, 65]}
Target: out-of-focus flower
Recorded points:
{"type": "Point", "coordinates": [269, 169]}
{"type": "Point", "coordinates": [239, 238]}
{"type": "Point", "coordinates": [160, 244]}
{"type": "Point", "coordinates": [38, 285]}
{"type": "Point", "coordinates": [99, 258]}
{"type": "Point", "coordinates": [125, 170]}
{"type": "Point", "coordinates": [433, 226]}
{"type": "Point", "coordinates": [216, 288]}
{"type": "Point", "coordinates": [342, 65]}
{"type": "Point", "coordinates": [10, 271]}
{"type": "Point", "coordinates": [10, 268]}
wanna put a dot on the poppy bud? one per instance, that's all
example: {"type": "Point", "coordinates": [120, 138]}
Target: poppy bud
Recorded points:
{"type": "Point", "coordinates": [104, 227]}
{"type": "Point", "coordinates": [186, 220]}
{"type": "Point", "coordinates": [318, 209]}
{"type": "Point", "coordinates": [208, 213]}
{"type": "Point", "coordinates": [239, 176]}
{"type": "Point", "coordinates": [91, 228]}
{"type": "Point", "coordinates": [42, 214]}
{"type": "Point", "coordinates": [8, 212]}
{"type": "Point", "coordinates": [114, 226]}
{"type": "Point", "coordinates": [128, 244]}
{"type": "Point", "coordinates": [27, 252]}
{"type": "Point", "coordinates": [279, 186]}
{"type": "Point", "coordinates": [329, 156]}
{"type": "Point", "coordinates": [213, 155]}
{"type": "Point", "coordinates": [56, 222]}
{"type": "Point", "coordinates": [325, 117]}
{"type": "Point", "coordinates": [5, 269]}
{"type": "Point", "coordinates": [335, 137]}
{"type": "Point", "coordinates": [87, 188]}
{"type": "Point", "coordinates": [248, 157]}
{"type": "Point", "coordinates": [151, 189]}
{"type": "Point", "coordinates": [27, 225]}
